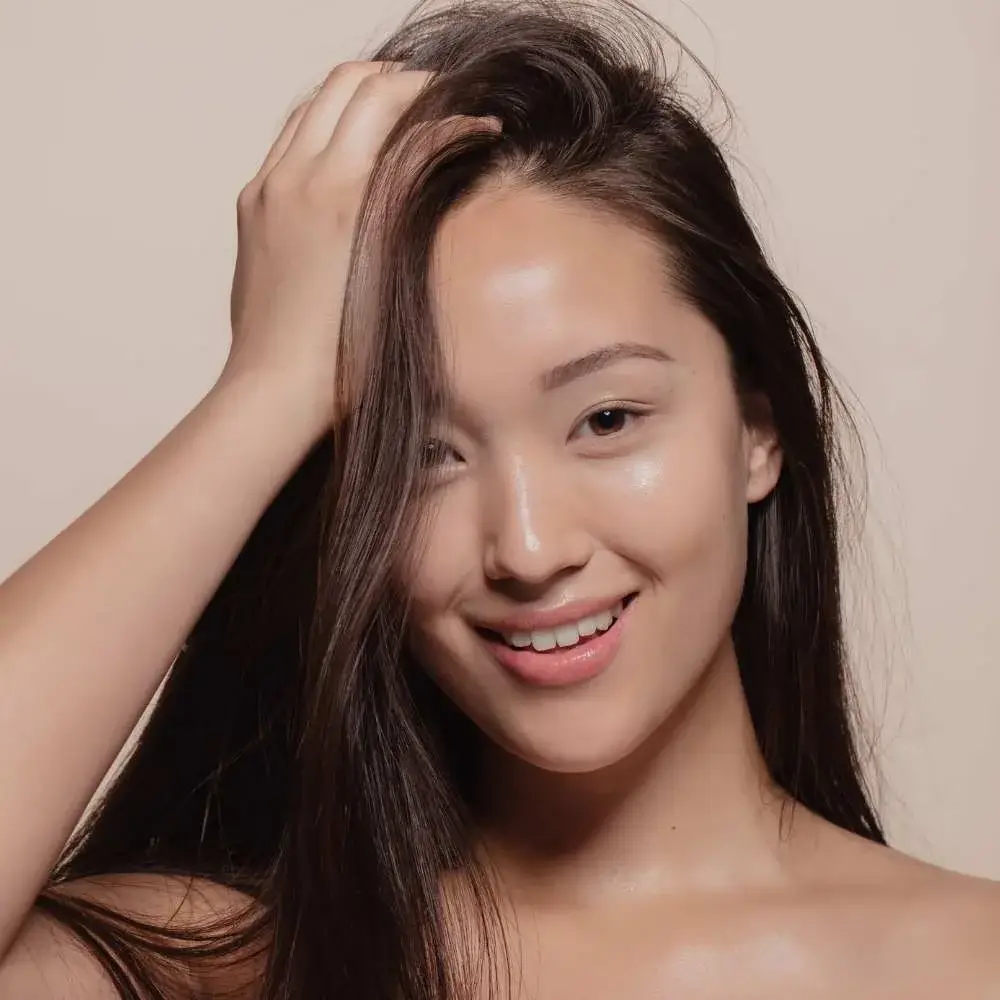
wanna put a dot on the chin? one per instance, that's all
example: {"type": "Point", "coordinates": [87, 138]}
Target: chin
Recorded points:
{"type": "Point", "coordinates": [575, 743]}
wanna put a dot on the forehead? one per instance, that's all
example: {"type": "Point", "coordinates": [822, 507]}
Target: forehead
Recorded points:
{"type": "Point", "coordinates": [522, 278]}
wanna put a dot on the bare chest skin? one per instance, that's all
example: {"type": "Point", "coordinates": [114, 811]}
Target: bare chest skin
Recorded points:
{"type": "Point", "coordinates": [859, 944]}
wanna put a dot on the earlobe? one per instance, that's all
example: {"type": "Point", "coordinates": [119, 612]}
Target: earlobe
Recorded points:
{"type": "Point", "coordinates": [763, 463]}
{"type": "Point", "coordinates": [763, 449]}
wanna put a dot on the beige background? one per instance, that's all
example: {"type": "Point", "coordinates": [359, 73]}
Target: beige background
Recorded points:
{"type": "Point", "coordinates": [868, 148]}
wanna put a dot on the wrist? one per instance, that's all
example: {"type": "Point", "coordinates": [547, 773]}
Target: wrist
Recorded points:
{"type": "Point", "coordinates": [298, 408]}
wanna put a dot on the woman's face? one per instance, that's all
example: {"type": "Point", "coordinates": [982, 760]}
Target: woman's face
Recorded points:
{"type": "Point", "coordinates": [594, 462]}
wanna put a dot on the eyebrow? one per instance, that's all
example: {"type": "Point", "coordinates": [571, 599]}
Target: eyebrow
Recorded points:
{"type": "Point", "coordinates": [595, 360]}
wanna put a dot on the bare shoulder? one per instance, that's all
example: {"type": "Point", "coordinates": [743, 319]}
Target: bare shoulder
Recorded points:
{"type": "Point", "coordinates": [964, 910]}
{"type": "Point", "coordinates": [49, 962]}
{"type": "Point", "coordinates": [942, 926]}
{"type": "Point", "coordinates": [898, 925]}
{"type": "Point", "coordinates": [950, 931]}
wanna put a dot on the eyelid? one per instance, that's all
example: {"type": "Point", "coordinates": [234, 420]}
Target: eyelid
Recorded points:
{"type": "Point", "coordinates": [635, 410]}
{"type": "Point", "coordinates": [444, 445]}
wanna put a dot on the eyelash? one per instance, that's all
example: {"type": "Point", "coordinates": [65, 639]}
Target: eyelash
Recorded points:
{"type": "Point", "coordinates": [432, 443]}
{"type": "Point", "coordinates": [616, 408]}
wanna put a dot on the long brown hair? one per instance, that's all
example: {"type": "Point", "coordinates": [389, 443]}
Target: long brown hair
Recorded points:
{"type": "Point", "coordinates": [297, 753]}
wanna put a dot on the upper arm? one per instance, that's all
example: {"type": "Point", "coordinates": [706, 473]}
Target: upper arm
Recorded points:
{"type": "Point", "coordinates": [47, 961]}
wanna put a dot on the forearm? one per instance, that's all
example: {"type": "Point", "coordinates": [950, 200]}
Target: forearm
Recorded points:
{"type": "Point", "coordinates": [90, 625]}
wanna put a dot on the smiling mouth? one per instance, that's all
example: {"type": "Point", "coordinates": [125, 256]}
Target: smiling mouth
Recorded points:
{"type": "Point", "coordinates": [570, 636]}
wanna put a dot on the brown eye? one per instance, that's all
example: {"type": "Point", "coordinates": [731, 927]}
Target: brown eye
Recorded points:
{"type": "Point", "coordinates": [435, 453]}
{"type": "Point", "coordinates": [608, 421]}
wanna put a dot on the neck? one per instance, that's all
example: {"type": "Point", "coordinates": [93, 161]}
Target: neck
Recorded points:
{"type": "Point", "coordinates": [691, 809]}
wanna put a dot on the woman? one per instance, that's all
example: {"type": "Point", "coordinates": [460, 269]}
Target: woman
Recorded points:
{"type": "Point", "coordinates": [511, 654]}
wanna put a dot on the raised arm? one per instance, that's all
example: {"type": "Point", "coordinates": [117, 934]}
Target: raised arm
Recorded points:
{"type": "Point", "coordinates": [90, 625]}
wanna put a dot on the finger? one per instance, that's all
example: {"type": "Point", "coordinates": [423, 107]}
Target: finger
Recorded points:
{"type": "Point", "coordinates": [283, 141]}
{"type": "Point", "coordinates": [366, 123]}
{"type": "Point", "coordinates": [337, 92]}
{"type": "Point", "coordinates": [292, 123]}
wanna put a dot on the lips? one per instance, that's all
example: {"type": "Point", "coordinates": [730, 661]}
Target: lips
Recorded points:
{"type": "Point", "coordinates": [562, 665]}
{"type": "Point", "coordinates": [551, 618]}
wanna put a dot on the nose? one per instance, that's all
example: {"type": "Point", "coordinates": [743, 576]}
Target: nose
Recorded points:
{"type": "Point", "coordinates": [533, 530]}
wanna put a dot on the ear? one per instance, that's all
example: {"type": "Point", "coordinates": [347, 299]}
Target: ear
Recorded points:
{"type": "Point", "coordinates": [762, 450]}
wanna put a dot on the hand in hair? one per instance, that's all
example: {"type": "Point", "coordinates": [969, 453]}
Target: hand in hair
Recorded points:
{"type": "Point", "coordinates": [297, 220]}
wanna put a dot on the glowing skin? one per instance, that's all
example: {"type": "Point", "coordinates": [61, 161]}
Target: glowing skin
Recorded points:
{"type": "Point", "coordinates": [629, 815]}
{"type": "Point", "coordinates": [535, 507]}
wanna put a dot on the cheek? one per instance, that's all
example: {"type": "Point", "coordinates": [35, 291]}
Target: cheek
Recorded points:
{"type": "Point", "coordinates": [446, 571]}
{"type": "Point", "coordinates": [444, 650]}
{"type": "Point", "coordinates": [447, 559]}
{"type": "Point", "coordinates": [677, 509]}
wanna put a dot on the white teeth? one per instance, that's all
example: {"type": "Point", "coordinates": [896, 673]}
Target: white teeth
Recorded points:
{"type": "Point", "coordinates": [544, 639]}
{"type": "Point", "coordinates": [567, 635]}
